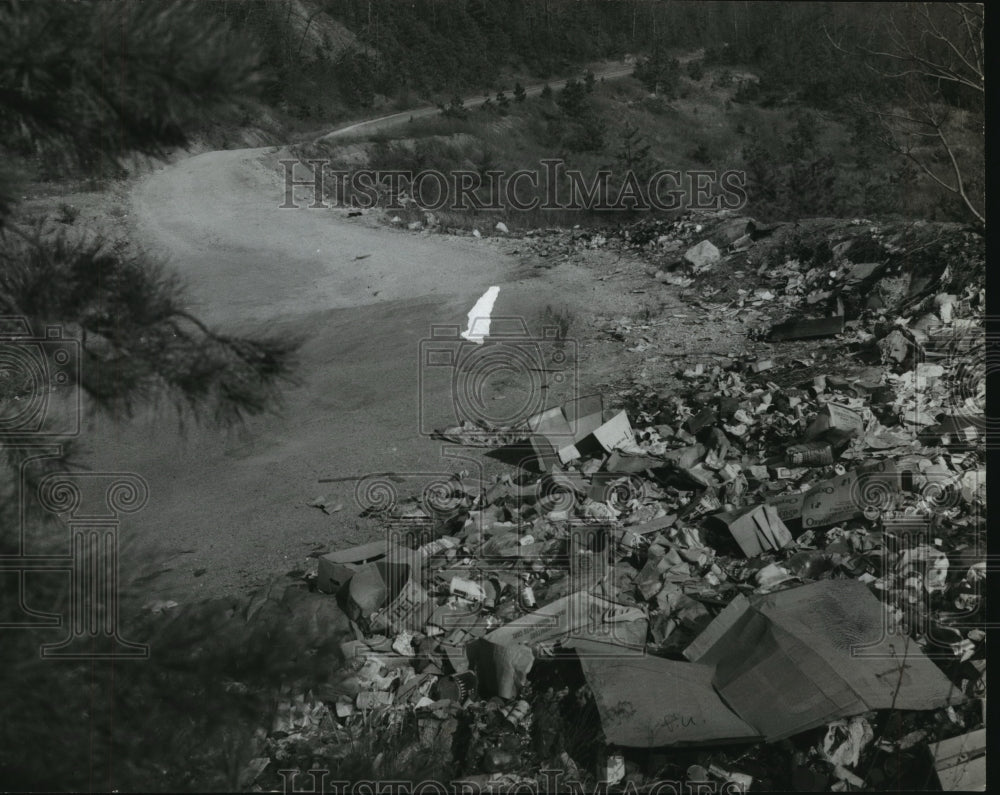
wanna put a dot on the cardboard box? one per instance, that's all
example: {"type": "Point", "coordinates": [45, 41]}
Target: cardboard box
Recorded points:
{"type": "Point", "coordinates": [556, 431]}
{"type": "Point", "coordinates": [756, 529]}
{"type": "Point", "coordinates": [788, 505]}
{"type": "Point", "coordinates": [793, 660]}
{"type": "Point", "coordinates": [873, 486]}
{"type": "Point", "coordinates": [836, 423]}
{"type": "Point", "coordinates": [336, 568]}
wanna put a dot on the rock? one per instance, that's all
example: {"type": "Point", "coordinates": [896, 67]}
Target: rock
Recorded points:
{"type": "Point", "coordinates": [396, 220]}
{"type": "Point", "coordinates": [414, 225]}
{"type": "Point", "coordinates": [731, 230]}
{"type": "Point", "coordinates": [703, 256]}
{"type": "Point", "coordinates": [476, 233]}
{"type": "Point", "coordinates": [502, 228]}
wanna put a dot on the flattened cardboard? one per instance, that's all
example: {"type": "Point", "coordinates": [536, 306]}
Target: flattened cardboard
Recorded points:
{"type": "Point", "coordinates": [648, 702]}
{"type": "Point", "coordinates": [800, 658]}
{"type": "Point", "coordinates": [699, 649]}
{"type": "Point", "coordinates": [968, 776]}
{"type": "Point", "coordinates": [960, 762]}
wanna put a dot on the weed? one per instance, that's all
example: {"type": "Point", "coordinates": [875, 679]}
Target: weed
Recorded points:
{"type": "Point", "coordinates": [67, 213]}
{"type": "Point", "coordinates": [559, 317]}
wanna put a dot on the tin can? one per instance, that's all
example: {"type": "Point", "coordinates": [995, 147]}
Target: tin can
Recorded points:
{"type": "Point", "coordinates": [810, 454]}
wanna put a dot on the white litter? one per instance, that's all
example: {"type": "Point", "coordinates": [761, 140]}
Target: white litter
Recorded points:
{"type": "Point", "coordinates": [479, 317]}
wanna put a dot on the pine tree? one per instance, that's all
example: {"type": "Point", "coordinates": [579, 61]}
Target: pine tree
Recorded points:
{"type": "Point", "coordinates": [633, 153]}
{"type": "Point", "coordinates": [573, 99]}
{"type": "Point", "coordinates": [79, 81]}
{"type": "Point", "coordinates": [519, 93]}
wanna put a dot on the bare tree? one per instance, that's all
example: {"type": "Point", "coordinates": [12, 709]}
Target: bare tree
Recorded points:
{"type": "Point", "coordinates": [930, 59]}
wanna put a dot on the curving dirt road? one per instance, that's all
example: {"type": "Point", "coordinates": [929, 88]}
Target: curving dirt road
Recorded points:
{"type": "Point", "coordinates": [227, 510]}
{"type": "Point", "coordinates": [382, 122]}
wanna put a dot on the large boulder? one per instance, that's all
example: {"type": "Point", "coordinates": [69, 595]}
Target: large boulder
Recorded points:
{"type": "Point", "coordinates": [702, 257]}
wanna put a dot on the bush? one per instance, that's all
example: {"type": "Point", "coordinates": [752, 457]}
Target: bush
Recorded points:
{"type": "Point", "coordinates": [659, 74]}
{"type": "Point", "coordinates": [455, 109]}
{"type": "Point", "coordinates": [67, 213]}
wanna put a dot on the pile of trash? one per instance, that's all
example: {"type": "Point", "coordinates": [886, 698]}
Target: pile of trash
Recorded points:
{"type": "Point", "coordinates": [768, 578]}
{"type": "Point", "coordinates": [741, 583]}
{"type": "Point", "coordinates": [815, 267]}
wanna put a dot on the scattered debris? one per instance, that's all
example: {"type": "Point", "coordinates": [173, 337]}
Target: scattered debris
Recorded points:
{"type": "Point", "coordinates": [771, 551]}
